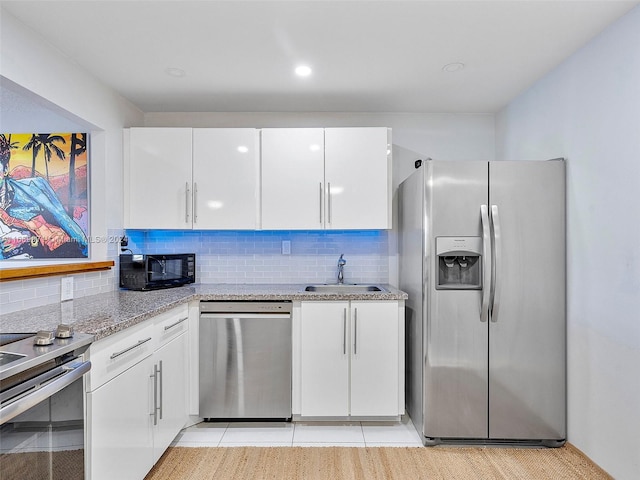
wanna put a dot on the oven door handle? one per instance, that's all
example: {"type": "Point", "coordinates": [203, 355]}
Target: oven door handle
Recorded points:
{"type": "Point", "coordinates": [44, 391]}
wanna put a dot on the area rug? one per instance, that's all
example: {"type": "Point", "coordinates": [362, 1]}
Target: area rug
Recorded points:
{"type": "Point", "coordinates": [42, 464]}
{"type": "Point", "coordinates": [374, 463]}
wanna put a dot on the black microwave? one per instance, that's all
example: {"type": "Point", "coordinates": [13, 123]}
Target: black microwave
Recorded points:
{"type": "Point", "coordinates": [148, 272]}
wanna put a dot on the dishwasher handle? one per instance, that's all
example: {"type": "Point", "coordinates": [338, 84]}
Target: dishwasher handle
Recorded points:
{"type": "Point", "coordinates": [204, 315]}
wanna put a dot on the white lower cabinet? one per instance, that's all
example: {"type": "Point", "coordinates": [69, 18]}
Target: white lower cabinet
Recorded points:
{"type": "Point", "coordinates": [374, 359]}
{"type": "Point", "coordinates": [325, 359]}
{"type": "Point", "coordinates": [137, 396]}
{"type": "Point", "coordinates": [171, 403]}
{"type": "Point", "coordinates": [351, 359]}
{"type": "Point", "coordinates": [121, 440]}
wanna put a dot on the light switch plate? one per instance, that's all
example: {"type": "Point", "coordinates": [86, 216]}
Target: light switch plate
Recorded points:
{"type": "Point", "coordinates": [286, 247]}
{"type": "Point", "coordinates": [66, 290]}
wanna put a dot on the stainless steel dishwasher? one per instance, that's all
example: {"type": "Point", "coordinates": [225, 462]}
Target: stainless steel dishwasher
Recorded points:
{"type": "Point", "coordinates": [245, 360]}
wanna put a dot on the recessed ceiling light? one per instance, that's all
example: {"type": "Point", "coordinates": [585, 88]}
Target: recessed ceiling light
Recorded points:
{"type": "Point", "coordinates": [453, 67]}
{"type": "Point", "coordinates": [303, 71]}
{"type": "Point", "coordinates": [314, 148]}
{"type": "Point", "coordinates": [243, 149]}
{"type": "Point", "coordinates": [175, 72]}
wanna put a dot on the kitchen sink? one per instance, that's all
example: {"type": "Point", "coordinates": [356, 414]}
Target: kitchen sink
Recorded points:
{"type": "Point", "coordinates": [344, 288]}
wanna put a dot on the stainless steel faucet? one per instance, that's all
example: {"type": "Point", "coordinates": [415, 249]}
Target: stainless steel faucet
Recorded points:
{"type": "Point", "coordinates": [341, 264]}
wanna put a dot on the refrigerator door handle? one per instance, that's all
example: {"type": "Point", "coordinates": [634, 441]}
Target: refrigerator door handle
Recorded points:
{"type": "Point", "coordinates": [497, 264]}
{"type": "Point", "coordinates": [486, 263]}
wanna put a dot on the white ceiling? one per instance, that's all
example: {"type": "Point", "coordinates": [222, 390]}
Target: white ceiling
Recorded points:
{"type": "Point", "coordinates": [367, 56]}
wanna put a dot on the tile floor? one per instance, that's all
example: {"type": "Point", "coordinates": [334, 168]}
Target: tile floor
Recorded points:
{"type": "Point", "coordinates": [300, 434]}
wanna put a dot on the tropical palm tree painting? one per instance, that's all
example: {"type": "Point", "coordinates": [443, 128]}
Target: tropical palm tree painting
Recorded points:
{"type": "Point", "coordinates": [43, 195]}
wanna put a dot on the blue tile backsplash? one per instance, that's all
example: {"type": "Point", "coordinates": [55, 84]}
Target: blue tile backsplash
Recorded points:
{"type": "Point", "coordinates": [256, 256]}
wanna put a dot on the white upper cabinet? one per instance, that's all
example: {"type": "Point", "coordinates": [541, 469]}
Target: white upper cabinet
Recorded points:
{"type": "Point", "coordinates": [225, 178]}
{"type": "Point", "coordinates": [333, 178]}
{"type": "Point", "coordinates": [250, 179]}
{"type": "Point", "coordinates": [183, 178]}
{"type": "Point", "coordinates": [358, 176]}
{"type": "Point", "coordinates": [157, 175]}
{"type": "Point", "coordinates": [293, 178]}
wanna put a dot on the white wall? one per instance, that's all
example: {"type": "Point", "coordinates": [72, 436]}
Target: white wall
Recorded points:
{"type": "Point", "coordinates": [36, 67]}
{"type": "Point", "coordinates": [31, 68]}
{"type": "Point", "coordinates": [588, 111]}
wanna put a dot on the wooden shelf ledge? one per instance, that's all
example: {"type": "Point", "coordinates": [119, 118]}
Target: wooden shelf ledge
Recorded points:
{"type": "Point", "coordinates": [25, 273]}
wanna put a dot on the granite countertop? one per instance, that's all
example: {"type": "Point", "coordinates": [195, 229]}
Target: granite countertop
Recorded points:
{"type": "Point", "coordinates": [108, 313]}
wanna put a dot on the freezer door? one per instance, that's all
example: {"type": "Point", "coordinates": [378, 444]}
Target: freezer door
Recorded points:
{"type": "Point", "coordinates": [455, 374]}
{"type": "Point", "coordinates": [527, 328]}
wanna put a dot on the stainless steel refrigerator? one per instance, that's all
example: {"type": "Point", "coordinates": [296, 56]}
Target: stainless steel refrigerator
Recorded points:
{"type": "Point", "coordinates": [482, 257]}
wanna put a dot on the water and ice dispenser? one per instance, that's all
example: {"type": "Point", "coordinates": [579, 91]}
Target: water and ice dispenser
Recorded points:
{"type": "Point", "coordinates": [459, 264]}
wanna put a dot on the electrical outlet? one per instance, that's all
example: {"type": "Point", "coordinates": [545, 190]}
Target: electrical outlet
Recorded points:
{"type": "Point", "coordinates": [66, 290]}
{"type": "Point", "coordinates": [286, 247]}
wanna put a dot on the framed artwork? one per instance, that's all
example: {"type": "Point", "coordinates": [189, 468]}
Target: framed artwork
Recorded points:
{"type": "Point", "coordinates": [44, 210]}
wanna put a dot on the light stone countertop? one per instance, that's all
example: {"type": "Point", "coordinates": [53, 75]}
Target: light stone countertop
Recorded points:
{"type": "Point", "coordinates": [108, 313]}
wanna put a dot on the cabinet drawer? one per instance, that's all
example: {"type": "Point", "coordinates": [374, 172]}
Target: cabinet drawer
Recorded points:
{"type": "Point", "coordinates": [115, 354]}
{"type": "Point", "coordinates": [169, 325]}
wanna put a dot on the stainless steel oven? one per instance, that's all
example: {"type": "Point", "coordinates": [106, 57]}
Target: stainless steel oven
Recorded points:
{"type": "Point", "coordinates": [42, 426]}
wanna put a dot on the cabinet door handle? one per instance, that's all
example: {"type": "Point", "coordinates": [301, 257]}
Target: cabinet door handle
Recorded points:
{"type": "Point", "coordinates": [122, 352]}
{"type": "Point", "coordinates": [154, 414]}
{"type": "Point", "coordinates": [329, 201]}
{"type": "Point", "coordinates": [169, 327]}
{"type": "Point", "coordinates": [320, 203]}
{"type": "Point", "coordinates": [355, 331]}
{"type": "Point", "coordinates": [161, 382]}
{"type": "Point", "coordinates": [186, 202]}
{"type": "Point", "coordinates": [195, 202]}
{"type": "Point", "coordinates": [344, 332]}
